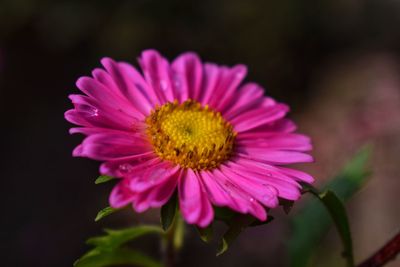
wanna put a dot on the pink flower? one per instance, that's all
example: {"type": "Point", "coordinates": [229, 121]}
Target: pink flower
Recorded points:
{"type": "Point", "coordinates": [192, 127]}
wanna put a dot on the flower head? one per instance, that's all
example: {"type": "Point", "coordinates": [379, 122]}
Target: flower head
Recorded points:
{"type": "Point", "coordinates": [192, 127]}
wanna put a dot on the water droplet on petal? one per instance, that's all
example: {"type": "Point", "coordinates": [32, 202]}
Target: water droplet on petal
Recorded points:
{"type": "Point", "coordinates": [177, 83]}
{"type": "Point", "coordinates": [252, 199]}
{"type": "Point", "coordinates": [163, 85]}
{"type": "Point", "coordinates": [125, 167]}
{"type": "Point", "coordinates": [239, 75]}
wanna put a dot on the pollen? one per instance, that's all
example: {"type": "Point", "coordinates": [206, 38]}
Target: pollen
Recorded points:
{"type": "Point", "coordinates": [190, 135]}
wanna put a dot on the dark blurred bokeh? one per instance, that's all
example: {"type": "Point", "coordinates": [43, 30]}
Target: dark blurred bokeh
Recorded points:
{"type": "Point", "coordinates": [335, 62]}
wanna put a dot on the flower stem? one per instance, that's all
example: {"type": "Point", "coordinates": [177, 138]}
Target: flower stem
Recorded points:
{"type": "Point", "coordinates": [385, 254]}
{"type": "Point", "coordinates": [173, 241]}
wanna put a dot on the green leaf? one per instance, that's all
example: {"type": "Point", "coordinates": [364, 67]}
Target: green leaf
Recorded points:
{"type": "Point", "coordinates": [313, 222]}
{"type": "Point", "coordinates": [103, 179]}
{"type": "Point", "coordinates": [206, 234]}
{"type": "Point", "coordinates": [237, 225]}
{"type": "Point", "coordinates": [168, 212]}
{"type": "Point", "coordinates": [115, 238]}
{"type": "Point", "coordinates": [338, 213]}
{"type": "Point", "coordinates": [286, 204]}
{"type": "Point", "coordinates": [105, 212]}
{"type": "Point", "coordinates": [120, 256]}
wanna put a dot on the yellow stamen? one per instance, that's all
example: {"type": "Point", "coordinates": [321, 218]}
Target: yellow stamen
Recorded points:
{"type": "Point", "coordinates": [190, 135]}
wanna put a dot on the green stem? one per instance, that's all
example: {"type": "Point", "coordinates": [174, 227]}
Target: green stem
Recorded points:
{"type": "Point", "coordinates": [336, 209]}
{"type": "Point", "coordinates": [173, 241]}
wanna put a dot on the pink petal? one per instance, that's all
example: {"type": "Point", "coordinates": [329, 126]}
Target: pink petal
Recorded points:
{"type": "Point", "coordinates": [188, 73]}
{"type": "Point", "coordinates": [130, 84]}
{"type": "Point", "coordinates": [109, 146]}
{"type": "Point", "coordinates": [190, 193]}
{"type": "Point", "coordinates": [248, 96]}
{"type": "Point", "coordinates": [88, 112]}
{"type": "Point", "coordinates": [219, 187]}
{"type": "Point", "coordinates": [207, 212]}
{"type": "Point", "coordinates": [126, 167]}
{"type": "Point", "coordinates": [287, 187]}
{"type": "Point", "coordinates": [226, 84]}
{"type": "Point", "coordinates": [278, 141]}
{"type": "Point", "coordinates": [259, 116]}
{"type": "Point", "coordinates": [211, 78]}
{"type": "Point", "coordinates": [121, 195]}
{"type": "Point", "coordinates": [157, 73]}
{"type": "Point", "coordinates": [258, 190]}
{"type": "Point", "coordinates": [104, 95]}
{"type": "Point", "coordinates": [225, 92]}
{"type": "Point", "coordinates": [153, 176]}
{"type": "Point", "coordinates": [158, 195]}
{"type": "Point", "coordinates": [274, 156]}
{"type": "Point", "coordinates": [296, 174]}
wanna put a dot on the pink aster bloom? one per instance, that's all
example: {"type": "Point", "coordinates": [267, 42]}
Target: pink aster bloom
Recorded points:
{"type": "Point", "coordinates": [188, 126]}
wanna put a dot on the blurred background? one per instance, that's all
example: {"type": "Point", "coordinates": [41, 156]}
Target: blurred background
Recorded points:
{"type": "Point", "coordinates": [335, 62]}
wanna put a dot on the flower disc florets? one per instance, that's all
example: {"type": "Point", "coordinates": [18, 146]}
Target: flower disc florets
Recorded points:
{"type": "Point", "coordinates": [190, 135]}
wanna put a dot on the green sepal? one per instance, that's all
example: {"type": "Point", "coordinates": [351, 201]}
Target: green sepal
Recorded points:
{"type": "Point", "coordinates": [103, 179]}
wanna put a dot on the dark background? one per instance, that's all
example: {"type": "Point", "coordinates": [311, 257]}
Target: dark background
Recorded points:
{"type": "Point", "coordinates": [336, 63]}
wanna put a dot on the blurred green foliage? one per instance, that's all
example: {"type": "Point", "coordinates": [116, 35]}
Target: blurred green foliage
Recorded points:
{"type": "Point", "coordinates": [313, 222]}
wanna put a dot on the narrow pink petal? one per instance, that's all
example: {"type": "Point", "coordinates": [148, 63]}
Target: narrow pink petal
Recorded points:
{"type": "Point", "coordinates": [259, 116]}
{"type": "Point", "coordinates": [189, 189]}
{"type": "Point", "coordinates": [121, 195]}
{"type": "Point", "coordinates": [274, 156]}
{"type": "Point", "coordinates": [238, 199]}
{"type": "Point", "coordinates": [228, 87]}
{"type": "Point", "coordinates": [157, 72]}
{"type": "Point", "coordinates": [248, 96]}
{"type": "Point", "coordinates": [287, 187]}
{"type": "Point", "coordinates": [104, 95]}
{"type": "Point", "coordinates": [224, 90]}
{"type": "Point", "coordinates": [158, 195]}
{"type": "Point", "coordinates": [188, 74]}
{"type": "Point", "coordinates": [279, 141]}
{"type": "Point", "coordinates": [296, 174]}
{"type": "Point", "coordinates": [130, 83]}
{"type": "Point", "coordinates": [207, 212]}
{"type": "Point", "coordinates": [211, 78]}
{"type": "Point", "coordinates": [153, 176]}
{"type": "Point", "coordinates": [128, 166]}
{"type": "Point", "coordinates": [258, 190]}
{"type": "Point", "coordinates": [89, 112]}
{"type": "Point", "coordinates": [265, 130]}
{"type": "Point", "coordinates": [109, 146]}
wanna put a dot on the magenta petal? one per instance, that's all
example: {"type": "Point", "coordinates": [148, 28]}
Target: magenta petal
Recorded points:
{"type": "Point", "coordinates": [247, 97]}
{"type": "Point", "coordinates": [228, 80]}
{"type": "Point", "coordinates": [189, 189]}
{"type": "Point", "coordinates": [158, 195]}
{"type": "Point", "coordinates": [296, 174]}
{"type": "Point", "coordinates": [110, 146]}
{"type": "Point", "coordinates": [157, 73]}
{"type": "Point", "coordinates": [128, 166]}
{"type": "Point", "coordinates": [258, 190]}
{"type": "Point", "coordinates": [188, 73]}
{"type": "Point", "coordinates": [259, 116]}
{"type": "Point", "coordinates": [130, 84]}
{"type": "Point", "coordinates": [237, 198]}
{"type": "Point", "coordinates": [278, 141]}
{"type": "Point", "coordinates": [274, 156]}
{"type": "Point", "coordinates": [155, 175]}
{"type": "Point", "coordinates": [230, 85]}
{"type": "Point", "coordinates": [121, 195]}
{"type": "Point", "coordinates": [207, 212]}
{"type": "Point", "coordinates": [211, 77]}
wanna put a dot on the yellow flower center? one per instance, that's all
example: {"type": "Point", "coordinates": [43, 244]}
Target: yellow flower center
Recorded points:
{"type": "Point", "coordinates": [190, 135]}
